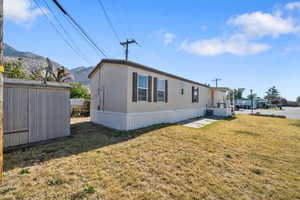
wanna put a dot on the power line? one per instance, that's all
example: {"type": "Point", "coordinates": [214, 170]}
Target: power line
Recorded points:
{"type": "Point", "coordinates": [66, 32]}
{"type": "Point", "coordinates": [84, 33]}
{"type": "Point", "coordinates": [109, 21]}
{"type": "Point", "coordinates": [119, 19]}
{"type": "Point", "coordinates": [55, 28]}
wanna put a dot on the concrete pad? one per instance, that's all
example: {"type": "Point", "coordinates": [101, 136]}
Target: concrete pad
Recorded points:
{"type": "Point", "coordinates": [198, 123]}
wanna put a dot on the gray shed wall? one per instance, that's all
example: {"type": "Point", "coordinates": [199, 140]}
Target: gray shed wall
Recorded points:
{"type": "Point", "coordinates": [33, 113]}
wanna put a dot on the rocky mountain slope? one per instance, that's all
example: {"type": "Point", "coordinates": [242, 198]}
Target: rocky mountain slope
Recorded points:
{"type": "Point", "coordinates": [33, 61]}
{"type": "Point", "coordinates": [30, 60]}
{"type": "Point", "coordinates": [80, 74]}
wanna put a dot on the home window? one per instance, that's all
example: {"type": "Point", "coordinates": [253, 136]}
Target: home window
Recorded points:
{"type": "Point", "coordinates": [161, 90]}
{"type": "Point", "coordinates": [182, 88]}
{"type": "Point", "coordinates": [196, 95]}
{"type": "Point", "coordinates": [142, 88]}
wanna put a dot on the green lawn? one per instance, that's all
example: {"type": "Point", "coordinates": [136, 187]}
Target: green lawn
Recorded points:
{"type": "Point", "coordinates": [248, 157]}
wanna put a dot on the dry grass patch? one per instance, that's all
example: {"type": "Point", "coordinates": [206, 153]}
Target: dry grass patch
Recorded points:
{"type": "Point", "coordinates": [246, 158]}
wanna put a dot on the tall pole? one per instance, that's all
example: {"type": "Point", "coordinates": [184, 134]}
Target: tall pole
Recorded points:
{"type": "Point", "coordinates": [126, 51]}
{"type": "Point", "coordinates": [1, 89]}
{"type": "Point", "coordinates": [126, 44]}
{"type": "Point", "coordinates": [216, 80]}
{"type": "Point", "coordinates": [251, 95]}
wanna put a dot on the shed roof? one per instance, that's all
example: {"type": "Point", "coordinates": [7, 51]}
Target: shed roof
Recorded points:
{"type": "Point", "coordinates": [143, 67]}
{"type": "Point", "coordinates": [11, 81]}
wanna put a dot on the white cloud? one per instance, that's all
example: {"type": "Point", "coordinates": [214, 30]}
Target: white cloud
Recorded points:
{"type": "Point", "coordinates": [203, 28]}
{"type": "Point", "coordinates": [293, 5]}
{"type": "Point", "coordinates": [217, 46]}
{"type": "Point", "coordinates": [20, 11]}
{"type": "Point", "coordinates": [246, 29]}
{"type": "Point", "coordinates": [168, 38]}
{"type": "Point", "coordinates": [258, 24]}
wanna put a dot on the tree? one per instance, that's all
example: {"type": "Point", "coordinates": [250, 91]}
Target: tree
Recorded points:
{"type": "Point", "coordinates": [298, 100]}
{"type": "Point", "coordinates": [238, 93]}
{"type": "Point", "coordinates": [252, 96]}
{"type": "Point", "coordinates": [15, 69]}
{"type": "Point", "coordinates": [79, 91]}
{"type": "Point", "coordinates": [273, 95]}
{"type": "Point", "coordinates": [37, 74]}
{"type": "Point", "coordinates": [60, 75]}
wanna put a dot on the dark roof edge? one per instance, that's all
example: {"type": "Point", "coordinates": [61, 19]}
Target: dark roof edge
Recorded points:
{"type": "Point", "coordinates": [140, 66]}
{"type": "Point", "coordinates": [10, 81]}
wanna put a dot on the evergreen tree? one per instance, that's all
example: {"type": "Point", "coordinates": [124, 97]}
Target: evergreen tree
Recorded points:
{"type": "Point", "coordinates": [273, 95]}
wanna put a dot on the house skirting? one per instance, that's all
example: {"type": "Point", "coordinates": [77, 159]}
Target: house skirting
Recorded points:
{"type": "Point", "coordinates": [130, 121]}
{"type": "Point", "coordinates": [222, 112]}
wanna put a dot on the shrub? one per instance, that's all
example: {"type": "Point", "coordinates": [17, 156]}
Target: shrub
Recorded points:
{"type": "Point", "coordinates": [89, 190]}
{"type": "Point", "coordinates": [24, 171]}
{"type": "Point", "coordinates": [256, 171]}
{"type": "Point", "coordinates": [55, 182]}
{"type": "Point", "coordinates": [79, 91]}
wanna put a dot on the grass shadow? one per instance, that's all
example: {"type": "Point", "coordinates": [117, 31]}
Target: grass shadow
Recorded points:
{"type": "Point", "coordinates": [230, 118]}
{"type": "Point", "coordinates": [297, 124]}
{"type": "Point", "coordinates": [238, 132]}
{"type": "Point", "coordinates": [85, 136]}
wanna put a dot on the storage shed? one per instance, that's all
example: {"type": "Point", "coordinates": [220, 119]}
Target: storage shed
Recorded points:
{"type": "Point", "coordinates": [34, 111]}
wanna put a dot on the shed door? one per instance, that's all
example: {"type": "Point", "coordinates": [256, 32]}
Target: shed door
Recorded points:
{"type": "Point", "coordinates": [15, 117]}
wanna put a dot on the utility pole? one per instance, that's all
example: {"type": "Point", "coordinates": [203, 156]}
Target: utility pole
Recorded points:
{"type": "Point", "coordinates": [216, 80]}
{"type": "Point", "coordinates": [125, 44]}
{"type": "Point", "coordinates": [1, 89]}
{"type": "Point", "coordinates": [251, 95]}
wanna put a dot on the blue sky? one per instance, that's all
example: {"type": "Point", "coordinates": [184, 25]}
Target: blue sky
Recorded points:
{"type": "Point", "coordinates": [248, 44]}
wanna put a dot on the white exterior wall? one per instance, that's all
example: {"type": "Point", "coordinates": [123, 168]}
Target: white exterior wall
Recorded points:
{"type": "Point", "coordinates": [109, 88]}
{"type": "Point", "coordinates": [220, 97]}
{"type": "Point", "coordinates": [120, 112]}
{"type": "Point", "coordinates": [176, 101]}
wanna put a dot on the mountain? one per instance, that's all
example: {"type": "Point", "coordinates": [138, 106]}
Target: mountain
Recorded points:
{"type": "Point", "coordinates": [81, 74]}
{"type": "Point", "coordinates": [30, 60]}
{"type": "Point", "coordinates": [33, 61]}
{"type": "Point", "coordinates": [12, 52]}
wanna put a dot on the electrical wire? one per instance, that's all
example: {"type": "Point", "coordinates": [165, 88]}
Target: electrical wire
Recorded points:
{"type": "Point", "coordinates": [80, 29]}
{"type": "Point", "coordinates": [56, 29]}
{"type": "Point", "coordinates": [66, 32]}
{"type": "Point", "coordinates": [109, 21]}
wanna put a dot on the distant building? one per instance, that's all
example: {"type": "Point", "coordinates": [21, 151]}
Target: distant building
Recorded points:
{"type": "Point", "coordinates": [246, 103]}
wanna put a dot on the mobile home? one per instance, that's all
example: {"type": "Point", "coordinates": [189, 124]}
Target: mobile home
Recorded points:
{"type": "Point", "coordinates": [126, 95]}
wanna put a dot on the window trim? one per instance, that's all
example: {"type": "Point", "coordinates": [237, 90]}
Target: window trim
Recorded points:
{"type": "Point", "coordinates": [164, 90]}
{"type": "Point", "coordinates": [138, 87]}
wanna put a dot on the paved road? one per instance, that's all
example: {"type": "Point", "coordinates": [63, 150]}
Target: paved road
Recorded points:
{"type": "Point", "coordinates": [289, 112]}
